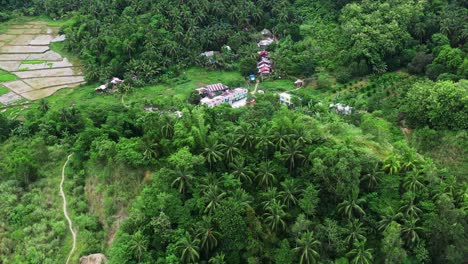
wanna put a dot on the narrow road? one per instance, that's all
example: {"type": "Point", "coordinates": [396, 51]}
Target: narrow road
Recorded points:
{"type": "Point", "coordinates": [70, 223]}
{"type": "Point", "coordinates": [256, 87]}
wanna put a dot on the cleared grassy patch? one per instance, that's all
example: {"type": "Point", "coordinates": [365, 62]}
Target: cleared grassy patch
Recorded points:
{"type": "Point", "coordinates": [6, 76]}
{"type": "Point", "coordinates": [3, 90]}
{"type": "Point", "coordinates": [33, 62]}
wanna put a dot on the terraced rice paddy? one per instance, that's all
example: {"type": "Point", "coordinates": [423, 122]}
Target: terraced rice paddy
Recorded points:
{"type": "Point", "coordinates": [28, 68]}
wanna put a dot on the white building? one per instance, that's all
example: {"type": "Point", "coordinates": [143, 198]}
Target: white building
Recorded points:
{"type": "Point", "coordinates": [285, 99]}
{"type": "Point", "coordinates": [229, 96]}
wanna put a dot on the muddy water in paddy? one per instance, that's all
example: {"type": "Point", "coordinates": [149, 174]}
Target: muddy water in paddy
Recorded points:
{"type": "Point", "coordinates": [25, 52]}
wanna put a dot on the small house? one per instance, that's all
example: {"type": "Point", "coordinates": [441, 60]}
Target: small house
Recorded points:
{"type": "Point", "coordinates": [285, 99]}
{"type": "Point", "coordinates": [101, 88]}
{"type": "Point", "coordinates": [266, 32]}
{"type": "Point", "coordinates": [264, 43]}
{"type": "Point", "coordinates": [116, 81]}
{"type": "Point", "coordinates": [263, 53]}
{"type": "Point", "coordinates": [299, 83]}
{"type": "Point", "coordinates": [208, 54]}
{"type": "Point", "coordinates": [212, 88]}
{"type": "Point", "coordinates": [263, 59]}
{"type": "Point", "coordinates": [341, 109]}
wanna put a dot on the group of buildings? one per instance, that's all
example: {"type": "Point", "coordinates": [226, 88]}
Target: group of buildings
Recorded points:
{"type": "Point", "coordinates": [264, 65]}
{"type": "Point", "coordinates": [216, 94]}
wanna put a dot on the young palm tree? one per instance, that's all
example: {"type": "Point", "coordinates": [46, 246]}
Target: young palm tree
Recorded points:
{"type": "Point", "coordinates": [241, 171]}
{"type": "Point", "coordinates": [301, 136]}
{"type": "Point", "coordinates": [263, 140]}
{"type": "Point", "coordinates": [280, 136]}
{"type": "Point", "coordinates": [245, 135]}
{"type": "Point", "coordinates": [392, 165]}
{"type": "Point", "coordinates": [271, 194]}
{"type": "Point", "coordinates": [355, 232]}
{"type": "Point", "coordinates": [207, 235]}
{"type": "Point", "coordinates": [292, 153]}
{"type": "Point", "coordinates": [212, 151]}
{"type": "Point", "coordinates": [387, 219]}
{"type": "Point", "coordinates": [183, 178]}
{"type": "Point", "coordinates": [307, 247]}
{"type": "Point", "coordinates": [373, 177]}
{"type": "Point", "coordinates": [274, 216]}
{"type": "Point", "coordinates": [359, 254]}
{"type": "Point", "coordinates": [214, 196]}
{"type": "Point", "coordinates": [265, 175]}
{"type": "Point", "coordinates": [290, 192]}
{"type": "Point", "coordinates": [413, 181]}
{"type": "Point", "coordinates": [352, 206]}
{"type": "Point", "coordinates": [411, 209]}
{"type": "Point", "coordinates": [230, 149]}
{"type": "Point", "coordinates": [138, 245]}
{"type": "Point", "coordinates": [410, 229]}
{"type": "Point", "coordinates": [43, 105]}
{"type": "Point", "coordinates": [218, 259]}
{"type": "Point", "coordinates": [188, 249]}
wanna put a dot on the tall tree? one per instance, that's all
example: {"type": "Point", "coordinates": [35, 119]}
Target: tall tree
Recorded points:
{"type": "Point", "coordinates": [188, 248]}
{"type": "Point", "coordinates": [307, 247]}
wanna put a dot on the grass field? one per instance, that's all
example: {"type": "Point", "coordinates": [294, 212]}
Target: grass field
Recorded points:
{"type": "Point", "coordinates": [6, 76]}
{"type": "Point", "coordinates": [33, 62]}
{"type": "Point", "coordinates": [3, 90]}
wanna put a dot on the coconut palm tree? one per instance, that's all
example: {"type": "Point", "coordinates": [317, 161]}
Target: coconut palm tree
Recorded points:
{"type": "Point", "coordinates": [138, 245]}
{"type": "Point", "coordinates": [240, 170]}
{"type": "Point", "coordinates": [292, 153]}
{"type": "Point", "coordinates": [410, 229]}
{"type": "Point", "coordinates": [218, 259]}
{"type": "Point", "coordinates": [183, 178]}
{"type": "Point", "coordinates": [359, 254]}
{"type": "Point", "coordinates": [307, 247]}
{"type": "Point", "coordinates": [230, 148]}
{"type": "Point", "coordinates": [290, 192]}
{"type": "Point", "coordinates": [212, 151]}
{"type": "Point", "coordinates": [214, 195]}
{"type": "Point", "coordinates": [265, 175]}
{"type": "Point", "coordinates": [263, 140]}
{"type": "Point", "coordinates": [280, 136]}
{"type": "Point", "coordinates": [392, 165]}
{"type": "Point", "coordinates": [274, 215]}
{"type": "Point", "coordinates": [355, 232]}
{"type": "Point", "coordinates": [351, 207]}
{"type": "Point", "coordinates": [245, 135]}
{"type": "Point", "coordinates": [271, 194]}
{"type": "Point", "coordinates": [387, 219]}
{"type": "Point", "coordinates": [413, 181]}
{"type": "Point", "coordinates": [188, 248]}
{"type": "Point", "coordinates": [43, 105]}
{"type": "Point", "coordinates": [373, 177]}
{"type": "Point", "coordinates": [410, 209]}
{"type": "Point", "coordinates": [207, 235]}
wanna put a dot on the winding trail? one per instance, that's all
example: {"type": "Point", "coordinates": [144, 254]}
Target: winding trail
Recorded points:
{"type": "Point", "coordinates": [70, 223]}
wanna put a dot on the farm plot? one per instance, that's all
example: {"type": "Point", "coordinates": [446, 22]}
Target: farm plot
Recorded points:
{"type": "Point", "coordinates": [28, 67]}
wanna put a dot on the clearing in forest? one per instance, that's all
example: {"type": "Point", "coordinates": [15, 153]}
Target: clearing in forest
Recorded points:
{"type": "Point", "coordinates": [35, 71]}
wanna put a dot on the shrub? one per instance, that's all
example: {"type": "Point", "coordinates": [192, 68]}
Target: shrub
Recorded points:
{"type": "Point", "coordinates": [419, 62]}
{"type": "Point", "coordinates": [343, 75]}
{"type": "Point", "coordinates": [324, 80]}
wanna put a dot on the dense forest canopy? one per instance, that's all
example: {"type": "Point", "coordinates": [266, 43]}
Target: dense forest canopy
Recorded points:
{"type": "Point", "coordinates": [156, 40]}
{"type": "Point", "coordinates": [385, 183]}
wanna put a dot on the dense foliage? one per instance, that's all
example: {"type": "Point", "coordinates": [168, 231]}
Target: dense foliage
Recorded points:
{"type": "Point", "coordinates": [155, 41]}
{"type": "Point", "coordinates": [386, 183]}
